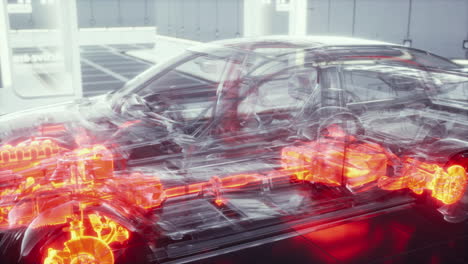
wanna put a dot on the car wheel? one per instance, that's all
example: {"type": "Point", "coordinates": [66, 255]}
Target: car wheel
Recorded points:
{"type": "Point", "coordinates": [457, 212]}
{"type": "Point", "coordinates": [91, 237]}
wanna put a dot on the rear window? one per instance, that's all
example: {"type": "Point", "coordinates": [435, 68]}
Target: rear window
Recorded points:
{"type": "Point", "coordinates": [389, 55]}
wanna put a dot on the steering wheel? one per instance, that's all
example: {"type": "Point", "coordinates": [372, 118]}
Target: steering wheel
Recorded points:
{"type": "Point", "coordinates": [340, 118]}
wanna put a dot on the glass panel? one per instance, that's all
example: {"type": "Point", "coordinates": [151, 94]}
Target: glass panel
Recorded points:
{"type": "Point", "coordinates": [365, 86]}
{"type": "Point", "coordinates": [5, 77]}
{"type": "Point", "coordinates": [191, 86]}
{"type": "Point", "coordinates": [283, 91]}
{"type": "Point", "coordinates": [366, 83]}
{"type": "Point", "coordinates": [450, 86]}
{"type": "Point", "coordinates": [1, 79]}
{"type": "Point", "coordinates": [41, 49]}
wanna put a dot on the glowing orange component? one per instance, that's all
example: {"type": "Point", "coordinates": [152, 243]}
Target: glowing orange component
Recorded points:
{"type": "Point", "coordinates": [240, 180]}
{"type": "Point", "coordinates": [184, 190]}
{"type": "Point", "coordinates": [45, 175]}
{"type": "Point", "coordinates": [220, 202]}
{"type": "Point", "coordinates": [129, 124]}
{"type": "Point", "coordinates": [52, 129]}
{"type": "Point", "coordinates": [364, 163]}
{"type": "Point", "coordinates": [82, 248]}
{"type": "Point", "coordinates": [229, 182]}
{"type": "Point", "coordinates": [336, 131]}
{"type": "Point", "coordinates": [447, 186]}
{"type": "Point", "coordinates": [139, 190]}
{"type": "Point", "coordinates": [327, 161]}
{"type": "Point", "coordinates": [334, 161]}
{"type": "Point", "coordinates": [315, 162]}
{"type": "Point", "coordinates": [27, 154]}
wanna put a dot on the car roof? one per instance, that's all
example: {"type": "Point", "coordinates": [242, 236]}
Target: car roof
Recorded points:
{"type": "Point", "coordinates": [299, 42]}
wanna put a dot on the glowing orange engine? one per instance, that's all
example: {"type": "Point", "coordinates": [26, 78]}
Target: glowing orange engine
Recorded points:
{"type": "Point", "coordinates": [26, 156]}
{"type": "Point", "coordinates": [28, 151]}
{"type": "Point", "coordinates": [39, 175]}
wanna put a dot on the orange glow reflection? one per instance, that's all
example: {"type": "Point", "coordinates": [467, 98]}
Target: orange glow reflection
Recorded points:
{"type": "Point", "coordinates": [348, 241]}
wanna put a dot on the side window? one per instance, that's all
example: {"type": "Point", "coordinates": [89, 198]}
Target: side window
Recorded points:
{"type": "Point", "coordinates": [383, 82]}
{"type": "Point", "coordinates": [365, 86]}
{"type": "Point", "coordinates": [283, 92]}
{"type": "Point", "coordinates": [449, 86]}
{"type": "Point", "coordinates": [277, 99]}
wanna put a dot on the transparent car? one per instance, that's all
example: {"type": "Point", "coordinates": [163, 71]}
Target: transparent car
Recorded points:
{"type": "Point", "coordinates": [234, 144]}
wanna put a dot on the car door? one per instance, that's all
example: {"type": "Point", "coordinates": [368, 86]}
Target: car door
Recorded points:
{"type": "Point", "coordinates": [178, 103]}
{"type": "Point", "coordinates": [388, 100]}
{"type": "Point", "coordinates": [263, 112]}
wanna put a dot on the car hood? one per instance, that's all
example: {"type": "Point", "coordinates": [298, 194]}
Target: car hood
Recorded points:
{"type": "Point", "coordinates": [91, 114]}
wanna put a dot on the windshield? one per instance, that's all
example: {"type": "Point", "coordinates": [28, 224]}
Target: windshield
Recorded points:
{"type": "Point", "coordinates": [193, 81]}
{"type": "Point", "coordinates": [146, 75]}
{"type": "Point", "coordinates": [186, 88]}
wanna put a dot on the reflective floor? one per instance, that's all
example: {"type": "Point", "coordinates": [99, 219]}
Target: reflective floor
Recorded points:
{"type": "Point", "coordinates": [103, 67]}
{"type": "Point", "coordinates": [403, 237]}
{"type": "Point", "coordinates": [106, 68]}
